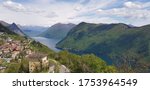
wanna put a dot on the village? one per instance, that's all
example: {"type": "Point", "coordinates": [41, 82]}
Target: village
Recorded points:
{"type": "Point", "coordinates": [12, 50]}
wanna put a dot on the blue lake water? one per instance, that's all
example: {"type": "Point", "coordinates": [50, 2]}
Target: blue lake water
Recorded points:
{"type": "Point", "coordinates": [51, 43]}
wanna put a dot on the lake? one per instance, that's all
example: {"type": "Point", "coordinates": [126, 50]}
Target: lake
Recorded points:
{"type": "Point", "coordinates": [51, 43]}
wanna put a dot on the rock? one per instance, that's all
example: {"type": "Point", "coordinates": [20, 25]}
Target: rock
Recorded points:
{"type": "Point", "coordinates": [64, 69]}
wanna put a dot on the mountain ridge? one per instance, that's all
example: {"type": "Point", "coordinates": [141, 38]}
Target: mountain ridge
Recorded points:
{"type": "Point", "coordinates": [13, 27]}
{"type": "Point", "coordinates": [119, 42]}
{"type": "Point", "coordinates": [57, 31]}
{"type": "Point", "coordinates": [20, 54]}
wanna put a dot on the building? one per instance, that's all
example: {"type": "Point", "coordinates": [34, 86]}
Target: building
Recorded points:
{"type": "Point", "coordinates": [1, 33]}
{"type": "Point", "coordinates": [2, 69]}
{"type": "Point", "coordinates": [37, 62]}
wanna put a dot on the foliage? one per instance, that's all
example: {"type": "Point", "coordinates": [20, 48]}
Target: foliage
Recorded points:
{"type": "Point", "coordinates": [119, 42]}
{"type": "Point", "coordinates": [83, 64]}
{"type": "Point", "coordinates": [13, 68]}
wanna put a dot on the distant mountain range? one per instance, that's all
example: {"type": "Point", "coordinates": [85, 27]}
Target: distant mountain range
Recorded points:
{"type": "Point", "coordinates": [33, 31]}
{"type": "Point", "coordinates": [13, 27]}
{"type": "Point", "coordinates": [126, 46]}
{"type": "Point", "coordinates": [57, 31]}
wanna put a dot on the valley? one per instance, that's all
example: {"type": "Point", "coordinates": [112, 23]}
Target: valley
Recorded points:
{"type": "Point", "coordinates": [22, 54]}
{"type": "Point", "coordinates": [81, 48]}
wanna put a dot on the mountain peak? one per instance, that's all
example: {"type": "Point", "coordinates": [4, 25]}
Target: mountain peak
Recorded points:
{"type": "Point", "coordinates": [4, 23]}
{"type": "Point", "coordinates": [14, 23]}
{"type": "Point", "coordinates": [16, 29]}
{"type": "Point", "coordinates": [83, 22]}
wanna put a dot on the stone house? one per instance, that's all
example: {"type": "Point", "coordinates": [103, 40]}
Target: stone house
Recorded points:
{"type": "Point", "coordinates": [15, 54]}
{"type": "Point", "coordinates": [34, 66]}
{"type": "Point", "coordinates": [37, 62]}
{"type": "Point", "coordinates": [1, 33]}
{"type": "Point", "coordinates": [2, 69]}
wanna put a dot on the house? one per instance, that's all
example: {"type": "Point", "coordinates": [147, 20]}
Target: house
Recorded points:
{"type": "Point", "coordinates": [14, 54]}
{"type": "Point", "coordinates": [1, 52]}
{"type": "Point", "coordinates": [8, 60]}
{"type": "Point", "coordinates": [51, 69]}
{"type": "Point", "coordinates": [37, 62]}
{"type": "Point", "coordinates": [1, 33]}
{"type": "Point", "coordinates": [45, 62]}
{"type": "Point", "coordinates": [28, 52]}
{"type": "Point", "coordinates": [34, 66]}
{"type": "Point", "coordinates": [2, 69]}
{"type": "Point", "coordinates": [9, 39]}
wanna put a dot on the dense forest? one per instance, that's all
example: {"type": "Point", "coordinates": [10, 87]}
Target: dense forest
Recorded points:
{"type": "Point", "coordinates": [127, 47]}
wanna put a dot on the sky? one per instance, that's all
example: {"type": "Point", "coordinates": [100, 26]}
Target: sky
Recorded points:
{"type": "Point", "coordinates": [49, 12]}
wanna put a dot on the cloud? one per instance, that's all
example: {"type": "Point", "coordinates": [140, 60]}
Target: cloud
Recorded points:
{"type": "Point", "coordinates": [130, 10]}
{"type": "Point", "coordinates": [18, 7]}
{"type": "Point", "coordinates": [14, 6]}
{"type": "Point", "coordinates": [48, 12]}
{"type": "Point", "coordinates": [132, 5]}
{"type": "Point", "coordinates": [137, 5]}
{"type": "Point", "coordinates": [51, 15]}
{"type": "Point", "coordinates": [78, 8]}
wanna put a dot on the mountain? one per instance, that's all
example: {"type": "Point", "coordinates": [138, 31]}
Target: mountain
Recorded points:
{"type": "Point", "coordinates": [125, 46]}
{"type": "Point", "coordinates": [4, 29]}
{"type": "Point", "coordinates": [20, 54]}
{"type": "Point", "coordinates": [16, 29]}
{"type": "Point", "coordinates": [57, 31]}
{"type": "Point", "coordinates": [4, 23]}
{"type": "Point", "coordinates": [33, 31]}
{"type": "Point", "coordinates": [13, 27]}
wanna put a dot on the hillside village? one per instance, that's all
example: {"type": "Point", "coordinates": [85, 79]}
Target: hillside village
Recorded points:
{"type": "Point", "coordinates": [15, 50]}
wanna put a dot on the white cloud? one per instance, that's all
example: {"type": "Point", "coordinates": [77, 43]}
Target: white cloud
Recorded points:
{"type": "Point", "coordinates": [78, 8]}
{"type": "Point", "coordinates": [18, 7]}
{"type": "Point", "coordinates": [48, 12]}
{"type": "Point", "coordinates": [130, 10]}
{"type": "Point", "coordinates": [136, 5]}
{"type": "Point", "coordinates": [132, 5]}
{"type": "Point", "coordinates": [14, 6]}
{"type": "Point", "coordinates": [126, 13]}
